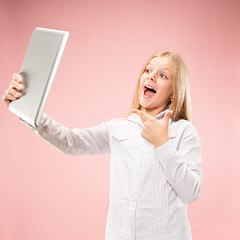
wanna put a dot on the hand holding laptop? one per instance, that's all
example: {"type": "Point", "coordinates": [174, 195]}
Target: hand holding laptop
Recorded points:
{"type": "Point", "coordinates": [15, 89]}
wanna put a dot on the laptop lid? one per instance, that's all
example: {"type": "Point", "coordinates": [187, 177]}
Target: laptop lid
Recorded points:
{"type": "Point", "coordinates": [39, 68]}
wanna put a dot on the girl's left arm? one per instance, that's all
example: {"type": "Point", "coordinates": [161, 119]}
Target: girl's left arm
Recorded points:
{"type": "Point", "coordinates": [182, 164]}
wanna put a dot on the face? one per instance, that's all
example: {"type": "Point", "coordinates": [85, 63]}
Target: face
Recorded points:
{"type": "Point", "coordinates": [156, 86]}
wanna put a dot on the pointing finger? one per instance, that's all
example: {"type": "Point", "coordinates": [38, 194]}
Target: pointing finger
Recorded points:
{"type": "Point", "coordinates": [144, 116]}
{"type": "Point", "coordinates": [141, 113]}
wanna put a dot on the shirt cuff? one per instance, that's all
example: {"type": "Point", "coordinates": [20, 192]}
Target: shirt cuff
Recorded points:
{"type": "Point", "coordinates": [165, 152]}
{"type": "Point", "coordinates": [38, 129]}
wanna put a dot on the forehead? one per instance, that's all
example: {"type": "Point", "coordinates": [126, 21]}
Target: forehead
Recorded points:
{"type": "Point", "coordinates": [161, 63]}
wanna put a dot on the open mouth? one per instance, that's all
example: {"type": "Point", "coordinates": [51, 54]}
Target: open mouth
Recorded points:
{"type": "Point", "coordinates": [149, 91]}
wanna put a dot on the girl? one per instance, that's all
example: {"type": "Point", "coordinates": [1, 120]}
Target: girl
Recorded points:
{"type": "Point", "coordinates": [155, 158]}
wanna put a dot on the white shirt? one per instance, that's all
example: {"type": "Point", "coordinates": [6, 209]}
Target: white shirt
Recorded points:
{"type": "Point", "coordinates": [149, 187]}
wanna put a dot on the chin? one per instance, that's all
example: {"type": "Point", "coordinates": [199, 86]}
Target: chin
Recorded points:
{"type": "Point", "coordinates": [145, 105]}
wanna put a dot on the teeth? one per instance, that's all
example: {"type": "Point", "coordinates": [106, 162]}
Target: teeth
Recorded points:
{"type": "Point", "coordinates": [150, 87]}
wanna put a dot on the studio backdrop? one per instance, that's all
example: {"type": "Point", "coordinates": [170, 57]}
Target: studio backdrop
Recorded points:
{"type": "Point", "coordinates": [45, 194]}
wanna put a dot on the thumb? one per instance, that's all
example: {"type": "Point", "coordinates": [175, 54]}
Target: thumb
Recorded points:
{"type": "Point", "coordinates": [167, 115]}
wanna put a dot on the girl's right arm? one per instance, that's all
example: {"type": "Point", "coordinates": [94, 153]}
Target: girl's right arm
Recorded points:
{"type": "Point", "coordinates": [75, 141]}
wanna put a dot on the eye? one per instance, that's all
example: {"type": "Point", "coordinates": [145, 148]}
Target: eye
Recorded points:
{"type": "Point", "coordinates": [162, 75]}
{"type": "Point", "coordinates": [147, 70]}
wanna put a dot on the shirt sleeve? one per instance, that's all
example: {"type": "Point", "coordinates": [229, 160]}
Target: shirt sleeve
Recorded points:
{"type": "Point", "coordinates": [182, 165]}
{"type": "Point", "coordinates": [94, 140]}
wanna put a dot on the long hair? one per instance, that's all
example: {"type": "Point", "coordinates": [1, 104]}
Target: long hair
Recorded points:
{"type": "Point", "coordinates": [181, 100]}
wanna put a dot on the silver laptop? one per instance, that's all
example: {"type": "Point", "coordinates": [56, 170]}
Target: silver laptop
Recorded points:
{"type": "Point", "coordinates": [39, 68]}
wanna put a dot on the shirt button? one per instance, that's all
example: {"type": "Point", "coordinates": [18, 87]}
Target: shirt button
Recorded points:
{"type": "Point", "coordinates": [132, 229]}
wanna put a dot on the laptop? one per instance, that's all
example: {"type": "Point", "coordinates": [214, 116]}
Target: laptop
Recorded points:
{"type": "Point", "coordinates": [39, 68]}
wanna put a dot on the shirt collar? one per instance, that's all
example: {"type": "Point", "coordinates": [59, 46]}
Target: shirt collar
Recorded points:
{"type": "Point", "coordinates": [136, 118]}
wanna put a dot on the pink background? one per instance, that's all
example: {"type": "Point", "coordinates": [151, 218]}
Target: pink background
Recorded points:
{"type": "Point", "coordinates": [45, 194]}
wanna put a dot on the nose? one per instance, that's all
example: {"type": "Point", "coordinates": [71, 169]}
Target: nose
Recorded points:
{"type": "Point", "coordinates": [152, 77]}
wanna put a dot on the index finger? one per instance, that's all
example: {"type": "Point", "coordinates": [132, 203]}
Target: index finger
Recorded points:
{"type": "Point", "coordinates": [142, 114]}
{"type": "Point", "coordinates": [17, 77]}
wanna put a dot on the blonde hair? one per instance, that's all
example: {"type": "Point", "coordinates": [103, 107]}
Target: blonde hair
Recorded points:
{"type": "Point", "coordinates": [181, 100]}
